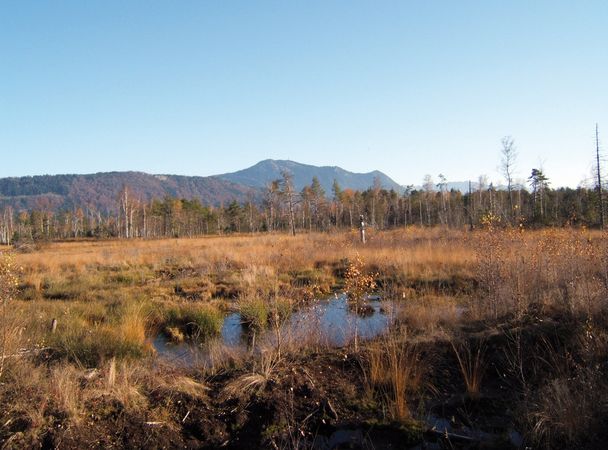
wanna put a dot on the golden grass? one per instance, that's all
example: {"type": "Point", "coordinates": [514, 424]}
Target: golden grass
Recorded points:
{"type": "Point", "coordinates": [394, 369]}
{"type": "Point", "coordinates": [110, 296]}
{"type": "Point", "coordinates": [255, 381]}
{"type": "Point", "coordinates": [124, 382]}
{"type": "Point", "coordinates": [472, 365]}
{"type": "Point", "coordinates": [66, 390]}
{"type": "Point", "coordinates": [122, 290]}
{"type": "Point", "coordinates": [260, 255]}
{"type": "Point", "coordinates": [221, 357]}
{"type": "Point", "coordinates": [133, 325]}
{"type": "Point", "coordinates": [431, 315]}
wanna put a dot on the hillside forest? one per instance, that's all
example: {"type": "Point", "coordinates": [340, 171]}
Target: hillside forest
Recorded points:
{"type": "Point", "coordinates": [282, 208]}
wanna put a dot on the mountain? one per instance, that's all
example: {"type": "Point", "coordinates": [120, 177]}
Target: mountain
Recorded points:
{"type": "Point", "coordinates": [100, 191]}
{"type": "Point", "coordinates": [259, 175]}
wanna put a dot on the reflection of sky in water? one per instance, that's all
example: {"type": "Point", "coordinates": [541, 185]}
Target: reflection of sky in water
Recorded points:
{"type": "Point", "coordinates": [330, 320]}
{"type": "Point", "coordinates": [177, 354]}
{"type": "Point", "coordinates": [232, 330]}
{"type": "Point", "coordinates": [338, 323]}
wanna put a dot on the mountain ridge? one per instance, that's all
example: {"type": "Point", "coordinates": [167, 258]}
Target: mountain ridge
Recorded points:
{"type": "Point", "coordinates": [268, 170]}
{"type": "Point", "coordinates": [100, 190]}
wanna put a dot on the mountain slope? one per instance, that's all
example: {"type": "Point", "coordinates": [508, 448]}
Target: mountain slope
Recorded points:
{"type": "Point", "coordinates": [259, 175]}
{"type": "Point", "coordinates": [100, 191]}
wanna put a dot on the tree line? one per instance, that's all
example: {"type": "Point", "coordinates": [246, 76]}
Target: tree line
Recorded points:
{"type": "Point", "coordinates": [283, 209]}
{"type": "Point", "coordinates": [532, 203]}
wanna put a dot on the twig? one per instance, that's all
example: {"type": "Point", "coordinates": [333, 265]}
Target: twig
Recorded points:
{"type": "Point", "coordinates": [23, 352]}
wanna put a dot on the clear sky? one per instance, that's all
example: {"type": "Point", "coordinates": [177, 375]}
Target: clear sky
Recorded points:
{"type": "Point", "coordinates": [206, 87]}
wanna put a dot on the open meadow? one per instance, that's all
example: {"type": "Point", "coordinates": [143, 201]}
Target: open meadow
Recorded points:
{"type": "Point", "coordinates": [496, 338]}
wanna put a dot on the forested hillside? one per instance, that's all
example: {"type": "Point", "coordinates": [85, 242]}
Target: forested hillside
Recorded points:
{"type": "Point", "coordinates": [100, 191]}
{"type": "Point", "coordinates": [284, 208]}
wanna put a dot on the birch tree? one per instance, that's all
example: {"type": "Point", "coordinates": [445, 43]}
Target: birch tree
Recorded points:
{"type": "Point", "coordinates": [509, 156]}
{"type": "Point", "coordinates": [287, 190]}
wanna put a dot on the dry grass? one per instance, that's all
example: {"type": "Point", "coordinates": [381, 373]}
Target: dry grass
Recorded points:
{"type": "Point", "coordinates": [513, 268]}
{"type": "Point", "coordinates": [394, 369]}
{"type": "Point", "coordinates": [569, 406]}
{"type": "Point", "coordinates": [133, 324]}
{"type": "Point", "coordinates": [254, 382]}
{"type": "Point", "coordinates": [563, 413]}
{"type": "Point", "coordinates": [124, 382]}
{"type": "Point", "coordinates": [431, 316]}
{"type": "Point", "coordinates": [259, 257]}
{"type": "Point", "coordinates": [66, 390]}
{"type": "Point", "coordinates": [472, 365]}
{"type": "Point", "coordinates": [547, 268]}
{"type": "Point", "coordinates": [109, 297]}
{"type": "Point", "coordinates": [31, 392]}
{"type": "Point", "coordinates": [119, 292]}
{"type": "Point", "coordinates": [222, 357]}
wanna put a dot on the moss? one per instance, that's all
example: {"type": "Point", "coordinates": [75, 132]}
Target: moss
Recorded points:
{"type": "Point", "coordinates": [274, 430]}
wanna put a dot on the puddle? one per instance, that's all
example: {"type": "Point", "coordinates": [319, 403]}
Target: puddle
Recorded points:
{"type": "Point", "coordinates": [332, 321]}
{"type": "Point", "coordinates": [443, 426]}
{"type": "Point", "coordinates": [233, 332]}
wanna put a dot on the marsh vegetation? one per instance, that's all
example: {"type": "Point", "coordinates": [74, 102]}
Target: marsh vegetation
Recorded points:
{"type": "Point", "coordinates": [495, 338]}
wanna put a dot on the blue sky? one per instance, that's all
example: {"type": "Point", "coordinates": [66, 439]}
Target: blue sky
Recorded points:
{"type": "Point", "coordinates": [206, 87]}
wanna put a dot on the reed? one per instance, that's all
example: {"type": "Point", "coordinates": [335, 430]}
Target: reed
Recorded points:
{"type": "Point", "coordinates": [395, 369]}
{"type": "Point", "coordinates": [472, 365]}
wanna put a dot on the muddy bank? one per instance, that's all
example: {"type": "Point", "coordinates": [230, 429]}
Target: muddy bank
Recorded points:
{"type": "Point", "coordinates": [326, 399]}
{"type": "Point", "coordinates": [309, 400]}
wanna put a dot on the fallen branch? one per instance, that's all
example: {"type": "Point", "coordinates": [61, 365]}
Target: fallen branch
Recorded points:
{"type": "Point", "coordinates": [452, 437]}
{"type": "Point", "coordinates": [24, 352]}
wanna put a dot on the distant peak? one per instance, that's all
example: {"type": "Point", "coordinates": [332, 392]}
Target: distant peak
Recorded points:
{"type": "Point", "coordinates": [268, 170]}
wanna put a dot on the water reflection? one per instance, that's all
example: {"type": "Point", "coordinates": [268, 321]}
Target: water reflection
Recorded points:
{"type": "Point", "coordinates": [332, 322]}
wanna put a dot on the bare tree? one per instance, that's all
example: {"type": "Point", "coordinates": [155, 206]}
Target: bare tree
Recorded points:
{"type": "Point", "coordinates": [600, 190]}
{"type": "Point", "coordinates": [250, 209]}
{"type": "Point", "coordinates": [482, 184]}
{"type": "Point", "coordinates": [289, 195]}
{"type": "Point", "coordinates": [6, 226]}
{"type": "Point", "coordinates": [377, 186]}
{"type": "Point", "coordinates": [126, 205]}
{"type": "Point", "coordinates": [407, 194]}
{"type": "Point", "coordinates": [507, 165]}
{"type": "Point", "coordinates": [429, 191]}
{"type": "Point", "coordinates": [271, 194]}
{"type": "Point", "coordinates": [442, 185]}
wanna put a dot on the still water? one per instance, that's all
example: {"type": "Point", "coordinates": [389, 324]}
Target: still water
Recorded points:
{"type": "Point", "coordinates": [332, 321]}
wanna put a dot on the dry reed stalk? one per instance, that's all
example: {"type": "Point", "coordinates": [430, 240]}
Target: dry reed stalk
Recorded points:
{"type": "Point", "coordinates": [255, 381]}
{"type": "Point", "coordinates": [472, 365]}
{"type": "Point", "coordinates": [394, 369]}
